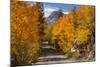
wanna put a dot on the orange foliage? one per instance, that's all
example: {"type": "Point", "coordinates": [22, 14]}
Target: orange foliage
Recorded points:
{"type": "Point", "coordinates": [25, 40]}
{"type": "Point", "coordinates": [86, 24]}
{"type": "Point", "coordinates": [76, 28]}
{"type": "Point", "coordinates": [64, 31]}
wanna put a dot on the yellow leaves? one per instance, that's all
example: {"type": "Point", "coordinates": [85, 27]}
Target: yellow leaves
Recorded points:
{"type": "Point", "coordinates": [82, 35]}
{"type": "Point", "coordinates": [85, 24]}
{"type": "Point", "coordinates": [63, 25]}
{"type": "Point", "coordinates": [74, 27]}
{"type": "Point", "coordinates": [25, 28]}
{"type": "Point", "coordinates": [65, 32]}
{"type": "Point", "coordinates": [14, 50]}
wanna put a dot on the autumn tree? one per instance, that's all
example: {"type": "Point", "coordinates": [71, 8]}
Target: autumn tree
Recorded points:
{"type": "Point", "coordinates": [26, 23]}
{"type": "Point", "coordinates": [63, 33]}
{"type": "Point", "coordinates": [76, 31]}
{"type": "Point", "coordinates": [85, 30]}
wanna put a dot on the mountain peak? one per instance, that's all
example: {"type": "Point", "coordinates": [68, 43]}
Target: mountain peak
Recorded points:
{"type": "Point", "coordinates": [55, 15]}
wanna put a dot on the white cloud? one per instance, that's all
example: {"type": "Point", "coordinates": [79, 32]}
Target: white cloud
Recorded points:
{"type": "Point", "coordinates": [67, 12]}
{"type": "Point", "coordinates": [51, 9]}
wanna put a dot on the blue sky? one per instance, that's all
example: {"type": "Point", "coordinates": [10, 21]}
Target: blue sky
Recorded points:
{"type": "Point", "coordinates": [50, 7]}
